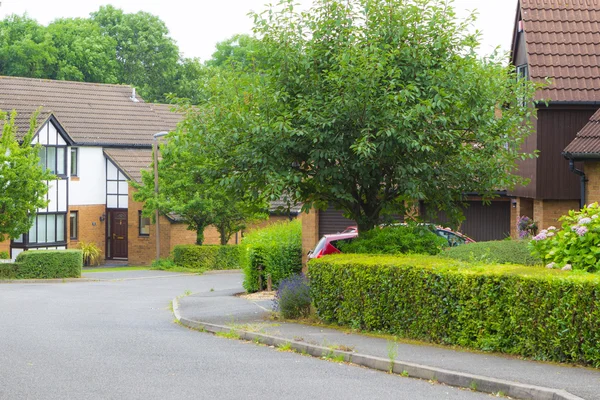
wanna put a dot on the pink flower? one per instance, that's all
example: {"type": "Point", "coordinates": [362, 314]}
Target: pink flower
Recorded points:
{"type": "Point", "coordinates": [581, 230]}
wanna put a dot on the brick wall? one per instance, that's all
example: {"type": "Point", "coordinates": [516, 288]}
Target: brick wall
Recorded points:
{"type": "Point", "coordinates": [547, 212]}
{"type": "Point", "coordinates": [91, 229]}
{"type": "Point", "coordinates": [310, 234]}
{"type": "Point", "coordinates": [5, 246]}
{"type": "Point", "coordinates": [592, 189]}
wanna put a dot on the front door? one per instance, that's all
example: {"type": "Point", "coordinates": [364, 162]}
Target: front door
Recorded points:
{"type": "Point", "coordinates": [117, 234]}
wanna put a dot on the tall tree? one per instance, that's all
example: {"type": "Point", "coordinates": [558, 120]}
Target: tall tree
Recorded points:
{"type": "Point", "coordinates": [23, 184]}
{"type": "Point", "coordinates": [367, 105]}
{"type": "Point", "coordinates": [83, 53]}
{"type": "Point", "coordinates": [146, 55]}
{"type": "Point", "coordinates": [26, 48]}
{"type": "Point", "coordinates": [240, 50]}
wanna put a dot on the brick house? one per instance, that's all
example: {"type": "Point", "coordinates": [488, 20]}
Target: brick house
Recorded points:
{"type": "Point", "coordinates": [557, 40]}
{"type": "Point", "coordinates": [96, 138]}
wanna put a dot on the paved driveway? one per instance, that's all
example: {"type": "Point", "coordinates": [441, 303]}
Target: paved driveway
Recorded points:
{"type": "Point", "coordinates": [115, 339]}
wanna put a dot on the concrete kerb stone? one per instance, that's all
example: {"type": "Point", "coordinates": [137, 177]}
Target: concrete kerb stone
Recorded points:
{"type": "Point", "coordinates": [57, 280]}
{"type": "Point", "coordinates": [440, 375]}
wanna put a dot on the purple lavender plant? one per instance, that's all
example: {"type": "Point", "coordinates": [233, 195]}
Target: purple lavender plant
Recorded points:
{"type": "Point", "coordinates": [292, 299]}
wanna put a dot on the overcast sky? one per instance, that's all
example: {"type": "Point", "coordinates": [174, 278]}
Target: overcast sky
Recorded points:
{"type": "Point", "coordinates": [197, 25]}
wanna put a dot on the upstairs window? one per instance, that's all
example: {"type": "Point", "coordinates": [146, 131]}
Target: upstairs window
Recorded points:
{"type": "Point", "coordinates": [522, 72]}
{"type": "Point", "coordinates": [74, 161]}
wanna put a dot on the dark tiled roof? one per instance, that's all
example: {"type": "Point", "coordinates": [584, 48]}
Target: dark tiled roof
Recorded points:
{"type": "Point", "coordinates": [563, 44]}
{"type": "Point", "coordinates": [131, 161]}
{"type": "Point", "coordinates": [587, 141]}
{"type": "Point", "coordinates": [91, 113]}
{"type": "Point", "coordinates": [281, 206]}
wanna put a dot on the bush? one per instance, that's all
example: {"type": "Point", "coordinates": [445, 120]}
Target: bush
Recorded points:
{"type": "Point", "coordinates": [163, 264]}
{"type": "Point", "coordinates": [576, 245]}
{"type": "Point", "coordinates": [207, 257]}
{"type": "Point", "coordinates": [48, 264]}
{"type": "Point", "coordinates": [498, 252]}
{"type": "Point", "coordinates": [274, 251]}
{"type": "Point", "coordinates": [91, 253]}
{"type": "Point", "coordinates": [4, 255]}
{"type": "Point", "coordinates": [292, 299]}
{"type": "Point", "coordinates": [528, 311]}
{"type": "Point", "coordinates": [8, 270]}
{"type": "Point", "coordinates": [402, 239]}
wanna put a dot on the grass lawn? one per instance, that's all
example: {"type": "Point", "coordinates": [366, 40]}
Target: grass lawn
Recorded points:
{"type": "Point", "coordinates": [113, 269]}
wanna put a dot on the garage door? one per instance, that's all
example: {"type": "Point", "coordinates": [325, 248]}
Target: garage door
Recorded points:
{"type": "Point", "coordinates": [333, 221]}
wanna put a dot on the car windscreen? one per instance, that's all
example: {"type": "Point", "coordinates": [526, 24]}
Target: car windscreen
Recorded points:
{"type": "Point", "coordinates": [320, 246]}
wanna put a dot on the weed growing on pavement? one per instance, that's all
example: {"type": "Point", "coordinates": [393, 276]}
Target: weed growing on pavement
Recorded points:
{"type": "Point", "coordinates": [500, 394]}
{"type": "Point", "coordinates": [228, 335]}
{"type": "Point", "coordinates": [404, 374]}
{"type": "Point", "coordinates": [287, 346]}
{"type": "Point", "coordinates": [392, 349]}
{"type": "Point", "coordinates": [473, 386]}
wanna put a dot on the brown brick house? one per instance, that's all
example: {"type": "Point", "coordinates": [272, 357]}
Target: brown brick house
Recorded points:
{"type": "Point", "coordinates": [558, 40]}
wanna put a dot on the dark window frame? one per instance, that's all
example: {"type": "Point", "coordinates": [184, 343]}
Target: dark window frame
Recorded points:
{"type": "Point", "coordinates": [75, 165]}
{"type": "Point", "coordinates": [27, 244]}
{"type": "Point", "coordinates": [140, 218]}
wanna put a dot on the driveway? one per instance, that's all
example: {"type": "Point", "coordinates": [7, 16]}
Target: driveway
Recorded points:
{"type": "Point", "coordinates": [115, 339]}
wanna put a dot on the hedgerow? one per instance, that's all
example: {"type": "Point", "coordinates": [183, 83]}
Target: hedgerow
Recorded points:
{"type": "Point", "coordinates": [274, 251]}
{"type": "Point", "coordinates": [206, 257]}
{"type": "Point", "coordinates": [529, 311]}
{"type": "Point", "coordinates": [49, 264]}
{"type": "Point", "coordinates": [499, 252]}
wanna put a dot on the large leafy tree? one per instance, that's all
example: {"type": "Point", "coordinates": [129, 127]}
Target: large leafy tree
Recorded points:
{"type": "Point", "coordinates": [147, 57]}
{"type": "Point", "coordinates": [367, 105]}
{"type": "Point", "coordinates": [23, 184]}
{"type": "Point", "coordinates": [83, 53]}
{"type": "Point", "coordinates": [187, 189]}
{"type": "Point", "coordinates": [26, 48]}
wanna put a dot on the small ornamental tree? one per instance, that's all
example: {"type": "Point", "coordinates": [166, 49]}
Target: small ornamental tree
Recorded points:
{"type": "Point", "coordinates": [23, 180]}
{"type": "Point", "coordinates": [366, 105]}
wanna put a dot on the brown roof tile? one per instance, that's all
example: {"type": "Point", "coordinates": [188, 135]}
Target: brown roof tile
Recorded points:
{"type": "Point", "coordinates": [563, 44]}
{"type": "Point", "coordinates": [131, 161]}
{"type": "Point", "coordinates": [91, 113]}
{"type": "Point", "coordinates": [587, 141]}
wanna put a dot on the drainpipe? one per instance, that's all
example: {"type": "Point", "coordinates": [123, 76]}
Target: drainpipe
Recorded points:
{"type": "Point", "coordinates": [583, 181]}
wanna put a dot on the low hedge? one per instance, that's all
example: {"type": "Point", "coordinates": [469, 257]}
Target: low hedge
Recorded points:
{"type": "Point", "coordinates": [498, 252]}
{"type": "Point", "coordinates": [528, 311]}
{"type": "Point", "coordinates": [402, 239]}
{"type": "Point", "coordinates": [8, 270]}
{"type": "Point", "coordinates": [49, 264]}
{"type": "Point", "coordinates": [274, 251]}
{"type": "Point", "coordinates": [207, 257]}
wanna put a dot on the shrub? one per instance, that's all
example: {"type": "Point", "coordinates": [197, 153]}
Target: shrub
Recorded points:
{"type": "Point", "coordinates": [577, 244]}
{"type": "Point", "coordinates": [48, 264]}
{"type": "Point", "coordinates": [274, 251]}
{"type": "Point", "coordinates": [529, 311]}
{"type": "Point", "coordinates": [292, 299]}
{"type": "Point", "coordinates": [163, 264]}
{"type": "Point", "coordinates": [8, 270]}
{"type": "Point", "coordinates": [207, 257]}
{"type": "Point", "coordinates": [4, 255]}
{"type": "Point", "coordinates": [498, 252]}
{"type": "Point", "coordinates": [402, 239]}
{"type": "Point", "coordinates": [91, 253]}
{"type": "Point", "coordinates": [526, 227]}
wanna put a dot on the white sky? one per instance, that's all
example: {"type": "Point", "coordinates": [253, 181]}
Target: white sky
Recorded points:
{"type": "Point", "coordinates": [197, 25]}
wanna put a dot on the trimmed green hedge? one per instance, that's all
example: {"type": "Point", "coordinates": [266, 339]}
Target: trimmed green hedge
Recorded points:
{"type": "Point", "coordinates": [8, 270]}
{"type": "Point", "coordinates": [275, 250]}
{"type": "Point", "coordinates": [402, 239]}
{"type": "Point", "coordinates": [529, 311]}
{"type": "Point", "coordinates": [207, 257]}
{"type": "Point", "coordinates": [48, 264]}
{"type": "Point", "coordinates": [498, 252]}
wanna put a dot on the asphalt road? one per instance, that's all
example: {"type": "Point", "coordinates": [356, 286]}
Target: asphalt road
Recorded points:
{"type": "Point", "coordinates": [115, 339]}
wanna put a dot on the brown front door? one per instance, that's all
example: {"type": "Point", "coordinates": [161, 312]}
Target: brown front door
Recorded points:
{"type": "Point", "coordinates": [117, 234]}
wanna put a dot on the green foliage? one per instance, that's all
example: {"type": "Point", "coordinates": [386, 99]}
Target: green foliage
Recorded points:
{"type": "Point", "coordinates": [92, 255]}
{"type": "Point", "coordinates": [528, 311]}
{"type": "Point", "coordinates": [207, 257]}
{"type": "Point", "coordinates": [4, 255]}
{"type": "Point", "coordinates": [22, 180]}
{"type": "Point", "coordinates": [239, 51]}
{"type": "Point", "coordinates": [8, 270]}
{"type": "Point", "coordinates": [164, 264]}
{"type": "Point", "coordinates": [275, 250]}
{"type": "Point", "coordinates": [49, 264]}
{"type": "Point", "coordinates": [410, 239]}
{"type": "Point", "coordinates": [495, 252]}
{"type": "Point", "coordinates": [576, 245]}
{"type": "Point", "coordinates": [292, 299]}
{"type": "Point", "coordinates": [376, 102]}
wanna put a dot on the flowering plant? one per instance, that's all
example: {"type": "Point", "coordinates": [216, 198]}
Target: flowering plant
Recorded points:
{"type": "Point", "coordinates": [292, 299]}
{"type": "Point", "coordinates": [526, 227]}
{"type": "Point", "coordinates": [576, 245]}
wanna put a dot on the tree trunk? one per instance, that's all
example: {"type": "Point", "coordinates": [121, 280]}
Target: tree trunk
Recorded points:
{"type": "Point", "coordinates": [200, 236]}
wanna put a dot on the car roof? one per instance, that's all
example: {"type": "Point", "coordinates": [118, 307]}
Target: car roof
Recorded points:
{"type": "Point", "coordinates": [347, 235]}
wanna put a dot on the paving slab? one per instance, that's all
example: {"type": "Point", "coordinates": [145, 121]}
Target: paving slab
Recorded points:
{"type": "Point", "coordinates": [223, 308]}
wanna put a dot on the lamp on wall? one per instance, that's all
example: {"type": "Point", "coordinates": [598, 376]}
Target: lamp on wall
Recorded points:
{"type": "Point", "coordinates": [513, 203]}
{"type": "Point", "coordinates": [102, 217]}
{"type": "Point", "coordinates": [155, 151]}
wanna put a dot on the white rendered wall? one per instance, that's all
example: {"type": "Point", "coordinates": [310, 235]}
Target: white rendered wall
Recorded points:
{"type": "Point", "coordinates": [90, 189]}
